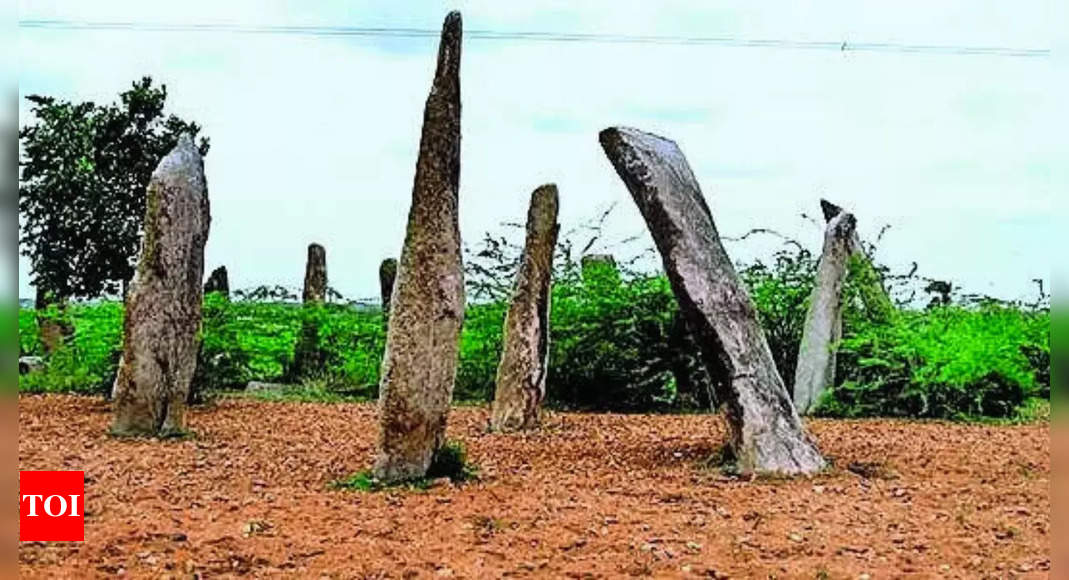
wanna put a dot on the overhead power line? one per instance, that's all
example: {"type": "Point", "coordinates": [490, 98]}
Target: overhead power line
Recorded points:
{"type": "Point", "coordinates": [726, 41]}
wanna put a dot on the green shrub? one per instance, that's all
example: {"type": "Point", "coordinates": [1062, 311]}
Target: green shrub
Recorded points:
{"type": "Point", "coordinates": [609, 342]}
{"type": "Point", "coordinates": [28, 343]}
{"type": "Point", "coordinates": [480, 351]}
{"type": "Point", "coordinates": [946, 362]}
{"type": "Point", "coordinates": [780, 292]}
{"type": "Point", "coordinates": [615, 343]}
{"type": "Point", "coordinates": [87, 362]}
{"type": "Point", "coordinates": [451, 460]}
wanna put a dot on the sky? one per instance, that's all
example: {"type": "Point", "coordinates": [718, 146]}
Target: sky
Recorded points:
{"type": "Point", "coordinates": [314, 139]}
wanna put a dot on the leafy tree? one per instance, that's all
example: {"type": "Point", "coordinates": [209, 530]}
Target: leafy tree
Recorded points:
{"type": "Point", "coordinates": [84, 171]}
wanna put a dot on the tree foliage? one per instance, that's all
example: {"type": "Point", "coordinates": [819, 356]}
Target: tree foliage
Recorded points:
{"type": "Point", "coordinates": [84, 172]}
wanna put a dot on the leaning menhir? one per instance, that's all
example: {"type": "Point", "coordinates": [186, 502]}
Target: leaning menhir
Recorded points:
{"type": "Point", "coordinates": [766, 433]}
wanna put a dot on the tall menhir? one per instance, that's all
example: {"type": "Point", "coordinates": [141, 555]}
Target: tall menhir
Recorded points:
{"type": "Point", "coordinates": [419, 366]}
{"type": "Point", "coordinates": [163, 309]}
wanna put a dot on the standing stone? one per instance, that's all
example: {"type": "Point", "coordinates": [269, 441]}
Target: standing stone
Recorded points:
{"type": "Point", "coordinates": [53, 322]}
{"type": "Point", "coordinates": [593, 262]}
{"type": "Point", "coordinates": [29, 364]}
{"type": "Point", "coordinates": [766, 433]}
{"type": "Point", "coordinates": [873, 294]}
{"type": "Point", "coordinates": [521, 374]}
{"type": "Point", "coordinates": [54, 326]}
{"type": "Point", "coordinates": [163, 309]}
{"type": "Point", "coordinates": [387, 274]}
{"type": "Point", "coordinates": [218, 281]}
{"type": "Point", "coordinates": [308, 359]}
{"type": "Point", "coordinates": [823, 322]}
{"type": "Point", "coordinates": [315, 275]}
{"type": "Point", "coordinates": [419, 365]}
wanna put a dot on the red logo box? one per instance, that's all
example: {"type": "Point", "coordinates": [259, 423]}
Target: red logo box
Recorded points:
{"type": "Point", "coordinates": [51, 506]}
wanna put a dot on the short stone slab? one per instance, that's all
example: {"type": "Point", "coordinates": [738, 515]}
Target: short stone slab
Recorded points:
{"type": "Point", "coordinates": [29, 364]}
{"type": "Point", "coordinates": [260, 387]}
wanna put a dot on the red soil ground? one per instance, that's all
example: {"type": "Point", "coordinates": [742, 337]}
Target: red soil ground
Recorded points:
{"type": "Point", "coordinates": [591, 496]}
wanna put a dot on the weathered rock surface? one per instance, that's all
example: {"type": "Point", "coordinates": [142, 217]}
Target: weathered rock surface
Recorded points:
{"type": "Point", "coordinates": [387, 275]}
{"type": "Point", "coordinates": [823, 324]}
{"type": "Point", "coordinates": [419, 365]}
{"type": "Point", "coordinates": [767, 434]}
{"type": "Point", "coordinates": [521, 374]}
{"type": "Point", "coordinates": [874, 297]}
{"type": "Point", "coordinates": [163, 308]}
{"type": "Point", "coordinates": [218, 281]}
{"type": "Point", "coordinates": [308, 358]}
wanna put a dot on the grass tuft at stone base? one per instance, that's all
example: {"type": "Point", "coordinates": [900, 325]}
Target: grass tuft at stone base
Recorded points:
{"type": "Point", "coordinates": [449, 462]}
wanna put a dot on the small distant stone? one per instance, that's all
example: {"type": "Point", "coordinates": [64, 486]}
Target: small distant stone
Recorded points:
{"type": "Point", "coordinates": [257, 386]}
{"type": "Point", "coordinates": [29, 364]}
{"type": "Point", "coordinates": [795, 537]}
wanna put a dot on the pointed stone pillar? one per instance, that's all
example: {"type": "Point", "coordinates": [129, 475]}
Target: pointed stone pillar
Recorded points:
{"type": "Point", "coordinates": [823, 323]}
{"type": "Point", "coordinates": [420, 362]}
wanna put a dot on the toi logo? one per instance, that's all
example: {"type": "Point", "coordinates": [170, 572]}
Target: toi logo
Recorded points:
{"type": "Point", "coordinates": [51, 506]}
